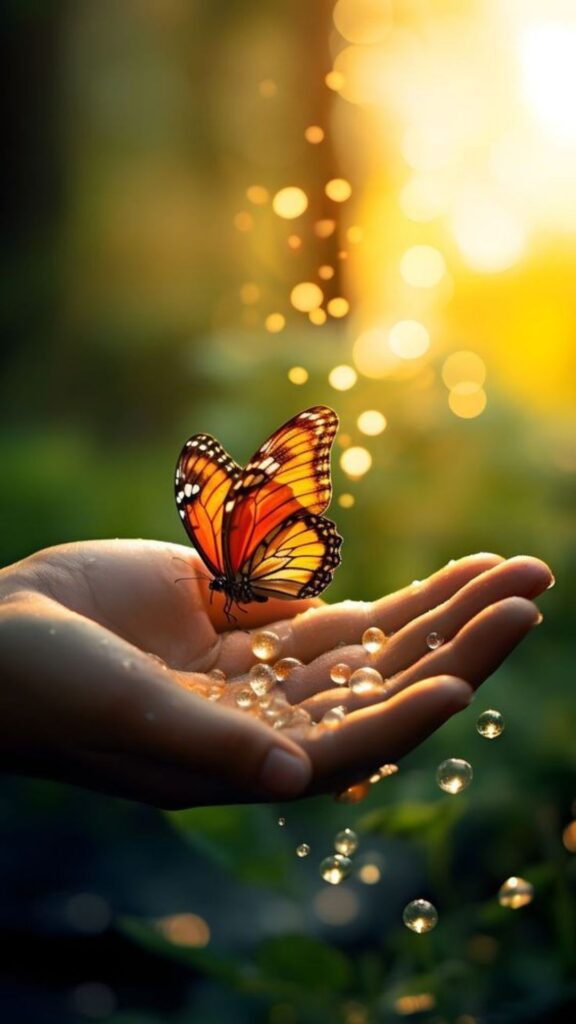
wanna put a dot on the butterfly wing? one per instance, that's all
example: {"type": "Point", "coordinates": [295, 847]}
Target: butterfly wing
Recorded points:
{"type": "Point", "coordinates": [204, 474]}
{"type": "Point", "coordinates": [296, 559]}
{"type": "Point", "coordinates": [288, 475]}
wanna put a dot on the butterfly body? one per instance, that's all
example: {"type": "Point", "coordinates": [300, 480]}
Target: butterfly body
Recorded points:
{"type": "Point", "coordinates": [259, 530]}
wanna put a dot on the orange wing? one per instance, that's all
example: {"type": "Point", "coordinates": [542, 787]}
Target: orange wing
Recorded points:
{"type": "Point", "coordinates": [288, 475]}
{"type": "Point", "coordinates": [204, 475]}
{"type": "Point", "coordinates": [297, 559]}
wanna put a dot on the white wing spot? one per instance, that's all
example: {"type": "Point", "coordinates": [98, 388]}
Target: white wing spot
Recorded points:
{"type": "Point", "coordinates": [229, 506]}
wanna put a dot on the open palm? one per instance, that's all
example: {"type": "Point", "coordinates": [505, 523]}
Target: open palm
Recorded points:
{"type": "Point", "coordinates": [106, 646]}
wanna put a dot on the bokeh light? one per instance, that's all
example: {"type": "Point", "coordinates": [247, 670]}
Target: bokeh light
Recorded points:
{"type": "Point", "coordinates": [275, 322]}
{"type": "Point", "coordinates": [422, 266]}
{"type": "Point", "coordinates": [467, 400]}
{"type": "Point", "coordinates": [297, 375]}
{"type": "Point", "coordinates": [363, 21]}
{"type": "Point", "coordinates": [409, 339]}
{"type": "Point", "coordinates": [342, 378]}
{"type": "Point", "coordinates": [355, 461]}
{"type": "Point", "coordinates": [338, 307]}
{"type": "Point", "coordinates": [371, 422]}
{"type": "Point", "coordinates": [257, 194]}
{"type": "Point", "coordinates": [306, 296]}
{"type": "Point", "coordinates": [338, 190]}
{"type": "Point", "coordinates": [463, 367]}
{"type": "Point", "coordinates": [290, 202]}
{"type": "Point", "coordinates": [185, 930]}
{"type": "Point", "coordinates": [314, 134]}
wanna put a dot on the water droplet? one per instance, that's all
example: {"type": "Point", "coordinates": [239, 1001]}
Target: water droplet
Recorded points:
{"type": "Point", "coordinates": [454, 775]}
{"type": "Point", "coordinates": [420, 916]}
{"type": "Point", "coordinates": [490, 724]}
{"type": "Point", "coordinates": [346, 842]}
{"type": "Point", "coordinates": [127, 663]}
{"type": "Point", "coordinates": [217, 674]}
{"type": "Point", "coordinates": [354, 794]}
{"type": "Point", "coordinates": [335, 869]}
{"type": "Point", "coordinates": [104, 642]}
{"type": "Point", "coordinates": [160, 661]}
{"type": "Point", "coordinates": [300, 719]}
{"type": "Point", "coordinates": [334, 716]}
{"type": "Point", "coordinates": [302, 850]}
{"type": "Point", "coordinates": [434, 640]}
{"type": "Point", "coordinates": [366, 680]}
{"type": "Point", "coordinates": [373, 640]}
{"type": "Point", "coordinates": [283, 720]}
{"type": "Point", "coordinates": [281, 822]}
{"type": "Point", "coordinates": [262, 679]}
{"type": "Point", "coordinates": [265, 645]}
{"type": "Point", "coordinates": [214, 693]}
{"type": "Point", "coordinates": [340, 673]}
{"type": "Point", "coordinates": [515, 893]}
{"type": "Point", "coordinates": [284, 667]}
{"type": "Point", "coordinates": [416, 584]}
{"type": "Point", "coordinates": [245, 698]}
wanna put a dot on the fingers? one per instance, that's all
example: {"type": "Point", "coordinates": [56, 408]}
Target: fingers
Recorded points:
{"type": "Point", "coordinates": [316, 629]}
{"type": "Point", "coordinates": [521, 576]}
{"type": "Point", "coordinates": [383, 732]}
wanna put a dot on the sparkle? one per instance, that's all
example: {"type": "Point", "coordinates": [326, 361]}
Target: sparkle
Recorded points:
{"type": "Point", "coordinates": [335, 869]}
{"type": "Point", "coordinates": [454, 775]}
{"type": "Point", "coordinates": [420, 916]}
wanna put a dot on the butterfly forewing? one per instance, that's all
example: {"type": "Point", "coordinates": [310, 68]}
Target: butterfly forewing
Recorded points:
{"type": "Point", "coordinates": [204, 475]}
{"type": "Point", "coordinates": [297, 559]}
{"type": "Point", "coordinates": [288, 475]}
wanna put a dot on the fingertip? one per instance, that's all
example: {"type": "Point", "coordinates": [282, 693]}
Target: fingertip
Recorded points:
{"type": "Point", "coordinates": [285, 773]}
{"type": "Point", "coordinates": [455, 691]}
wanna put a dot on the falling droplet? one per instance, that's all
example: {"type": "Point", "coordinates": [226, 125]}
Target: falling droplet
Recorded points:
{"type": "Point", "coordinates": [262, 679]}
{"type": "Point", "coordinates": [515, 893]}
{"type": "Point", "coordinates": [245, 698]}
{"type": "Point", "coordinates": [490, 724]}
{"type": "Point", "coordinates": [434, 640]}
{"type": "Point", "coordinates": [281, 822]}
{"type": "Point", "coordinates": [335, 869]}
{"type": "Point", "coordinates": [302, 850]}
{"type": "Point", "coordinates": [365, 681]}
{"type": "Point", "coordinates": [340, 673]}
{"type": "Point", "coordinates": [420, 916]}
{"type": "Point", "coordinates": [265, 645]}
{"type": "Point", "coordinates": [346, 842]}
{"type": "Point", "coordinates": [334, 716]}
{"type": "Point", "coordinates": [284, 667]}
{"type": "Point", "coordinates": [454, 775]}
{"type": "Point", "coordinates": [373, 640]}
{"type": "Point", "coordinates": [354, 794]}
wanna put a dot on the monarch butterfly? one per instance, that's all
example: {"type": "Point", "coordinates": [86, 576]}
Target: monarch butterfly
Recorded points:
{"type": "Point", "coordinates": [259, 530]}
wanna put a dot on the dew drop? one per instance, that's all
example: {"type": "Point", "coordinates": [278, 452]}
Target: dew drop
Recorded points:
{"type": "Point", "coordinates": [335, 869]}
{"type": "Point", "coordinates": [346, 842]}
{"type": "Point", "coordinates": [245, 698]}
{"type": "Point", "coordinates": [490, 724]}
{"type": "Point", "coordinates": [373, 640]}
{"type": "Point", "coordinates": [302, 850]}
{"type": "Point", "coordinates": [265, 645]}
{"type": "Point", "coordinates": [334, 716]}
{"type": "Point", "coordinates": [454, 775]}
{"type": "Point", "coordinates": [340, 673]}
{"type": "Point", "coordinates": [366, 681]}
{"type": "Point", "coordinates": [262, 679]}
{"type": "Point", "coordinates": [284, 667]}
{"type": "Point", "coordinates": [281, 822]}
{"type": "Point", "coordinates": [434, 640]}
{"type": "Point", "coordinates": [420, 916]}
{"type": "Point", "coordinates": [214, 693]}
{"type": "Point", "coordinates": [383, 772]}
{"type": "Point", "coordinates": [515, 893]}
{"type": "Point", "coordinates": [127, 664]}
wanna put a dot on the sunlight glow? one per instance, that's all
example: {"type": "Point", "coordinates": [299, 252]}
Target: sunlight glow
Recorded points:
{"type": "Point", "coordinates": [422, 266]}
{"type": "Point", "coordinates": [355, 462]}
{"type": "Point", "coordinates": [290, 202]}
{"type": "Point", "coordinates": [548, 69]}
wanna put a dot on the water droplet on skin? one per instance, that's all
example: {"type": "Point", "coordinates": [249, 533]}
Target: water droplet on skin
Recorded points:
{"type": "Point", "coordinates": [302, 850]}
{"type": "Point", "coordinates": [490, 724]}
{"type": "Point", "coordinates": [334, 716]}
{"type": "Point", "coordinates": [416, 584]}
{"type": "Point", "coordinates": [373, 640]}
{"type": "Point", "coordinates": [515, 893]}
{"type": "Point", "coordinates": [127, 664]}
{"type": "Point", "coordinates": [281, 822]}
{"type": "Point", "coordinates": [340, 673]}
{"type": "Point", "coordinates": [353, 794]}
{"type": "Point", "coordinates": [217, 674]}
{"type": "Point", "coordinates": [365, 681]}
{"type": "Point", "coordinates": [160, 661]}
{"type": "Point", "coordinates": [245, 698]}
{"type": "Point", "coordinates": [454, 775]}
{"type": "Point", "coordinates": [104, 642]}
{"type": "Point", "coordinates": [335, 869]}
{"type": "Point", "coordinates": [346, 842]}
{"type": "Point", "coordinates": [283, 720]}
{"type": "Point", "coordinates": [434, 640]}
{"type": "Point", "coordinates": [265, 645]}
{"type": "Point", "coordinates": [261, 679]}
{"type": "Point", "coordinates": [420, 916]}
{"type": "Point", "coordinates": [552, 583]}
{"type": "Point", "coordinates": [214, 693]}
{"type": "Point", "coordinates": [284, 667]}
{"type": "Point", "coordinates": [301, 719]}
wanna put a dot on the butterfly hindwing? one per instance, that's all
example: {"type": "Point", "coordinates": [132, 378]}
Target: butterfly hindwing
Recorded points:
{"type": "Point", "coordinates": [287, 476]}
{"type": "Point", "coordinates": [204, 474]}
{"type": "Point", "coordinates": [296, 559]}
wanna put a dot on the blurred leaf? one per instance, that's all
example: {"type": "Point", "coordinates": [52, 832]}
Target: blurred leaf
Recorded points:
{"type": "Point", "coordinates": [423, 822]}
{"type": "Point", "coordinates": [305, 962]}
{"type": "Point", "coordinates": [145, 934]}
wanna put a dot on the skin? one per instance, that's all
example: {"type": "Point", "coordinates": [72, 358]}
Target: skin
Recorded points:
{"type": "Point", "coordinates": [85, 698]}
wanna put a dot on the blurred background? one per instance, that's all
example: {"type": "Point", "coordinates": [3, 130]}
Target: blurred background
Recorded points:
{"type": "Point", "coordinates": [217, 213]}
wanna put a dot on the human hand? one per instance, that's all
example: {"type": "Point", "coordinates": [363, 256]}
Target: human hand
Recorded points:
{"type": "Point", "coordinates": [85, 698]}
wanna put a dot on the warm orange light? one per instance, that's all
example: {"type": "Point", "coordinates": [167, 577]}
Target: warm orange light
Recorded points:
{"type": "Point", "coordinates": [257, 194]}
{"type": "Point", "coordinates": [324, 228]}
{"type": "Point", "coordinates": [297, 375]}
{"type": "Point", "coordinates": [363, 21]}
{"type": "Point", "coordinates": [317, 317]}
{"type": "Point", "coordinates": [314, 134]}
{"type": "Point", "coordinates": [355, 462]}
{"type": "Point", "coordinates": [338, 190]}
{"type": "Point", "coordinates": [275, 323]}
{"type": "Point", "coordinates": [185, 930]}
{"type": "Point", "coordinates": [338, 307]}
{"type": "Point", "coordinates": [249, 293]}
{"type": "Point", "coordinates": [243, 221]}
{"type": "Point", "coordinates": [342, 378]}
{"type": "Point", "coordinates": [334, 80]}
{"type": "Point", "coordinates": [409, 339]}
{"type": "Point", "coordinates": [346, 500]}
{"type": "Point", "coordinates": [422, 266]}
{"type": "Point", "coordinates": [467, 400]}
{"type": "Point", "coordinates": [290, 202]}
{"type": "Point", "coordinates": [371, 422]}
{"type": "Point", "coordinates": [326, 272]}
{"type": "Point", "coordinates": [306, 296]}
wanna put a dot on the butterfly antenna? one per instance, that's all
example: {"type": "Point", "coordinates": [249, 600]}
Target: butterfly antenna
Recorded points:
{"type": "Point", "coordinates": [181, 578]}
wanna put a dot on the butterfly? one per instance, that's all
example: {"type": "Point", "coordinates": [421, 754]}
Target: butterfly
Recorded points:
{"type": "Point", "coordinates": [260, 530]}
